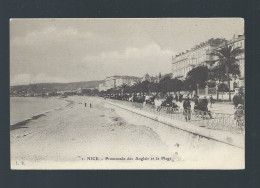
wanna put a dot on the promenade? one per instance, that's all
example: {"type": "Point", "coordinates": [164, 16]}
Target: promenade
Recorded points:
{"type": "Point", "coordinates": [222, 127]}
{"type": "Point", "coordinates": [217, 107]}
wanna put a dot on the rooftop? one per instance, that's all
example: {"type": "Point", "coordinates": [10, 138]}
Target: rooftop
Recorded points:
{"type": "Point", "coordinates": [124, 77]}
{"type": "Point", "coordinates": [210, 42]}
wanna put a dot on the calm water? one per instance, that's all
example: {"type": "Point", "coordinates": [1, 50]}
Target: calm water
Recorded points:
{"type": "Point", "coordinates": [23, 108]}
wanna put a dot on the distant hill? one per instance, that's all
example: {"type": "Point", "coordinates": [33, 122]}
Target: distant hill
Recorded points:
{"type": "Point", "coordinates": [50, 87]}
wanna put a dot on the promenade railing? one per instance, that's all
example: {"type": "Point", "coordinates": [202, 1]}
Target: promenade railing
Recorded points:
{"type": "Point", "coordinates": [206, 119]}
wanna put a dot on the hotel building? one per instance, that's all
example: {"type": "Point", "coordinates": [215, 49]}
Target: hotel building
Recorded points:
{"type": "Point", "coordinates": [117, 81]}
{"type": "Point", "coordinates": [238, 41]}
{"type": "Point", "coordinates": [149, 78]}
{"type": "Point", "coordinates": [201, 55]}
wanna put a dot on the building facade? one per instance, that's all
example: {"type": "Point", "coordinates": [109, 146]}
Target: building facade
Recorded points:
{"type": "Point", "coordinates": [128, 80]}
{"type": "Point", "coordinates": [154, 79]}
{"type": "Point", "coordinates": [239, 81]}
{"type": "Point", "coordinates": [201, 55]}
{"type": "Point", "coordinates": [117, 81]}
{"type": "Point", "coordinates": [102, 87]}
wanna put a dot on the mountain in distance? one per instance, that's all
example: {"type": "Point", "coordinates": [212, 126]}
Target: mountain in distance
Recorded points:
{"type": "Point", "coordinates": [51, 87]}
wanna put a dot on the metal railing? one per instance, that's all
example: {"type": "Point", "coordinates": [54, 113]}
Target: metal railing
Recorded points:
{"type": "Point", "coordinates": [206, 119]}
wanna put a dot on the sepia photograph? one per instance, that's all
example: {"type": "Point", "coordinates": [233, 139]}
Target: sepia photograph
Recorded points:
{"type": "Point", "coordinates": [127, 93]}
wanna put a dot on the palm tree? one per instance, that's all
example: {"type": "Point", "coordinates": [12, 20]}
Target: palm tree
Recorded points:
{"type": "Point", "coordinates": [227, 58]}
{"type": "Point", "coordinates": [145, 87]}
{"type": "Point", "coordinates": [137, 86]}
{"type": "Point", "coordinates": [125, 88]}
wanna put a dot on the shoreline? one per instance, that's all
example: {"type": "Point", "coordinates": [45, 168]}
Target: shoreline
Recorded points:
{"type": "Point", "coordinates": [21, 123]}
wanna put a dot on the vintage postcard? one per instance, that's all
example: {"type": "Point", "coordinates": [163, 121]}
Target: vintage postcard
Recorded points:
{"type": "Point", "coordinates": [157, 93]}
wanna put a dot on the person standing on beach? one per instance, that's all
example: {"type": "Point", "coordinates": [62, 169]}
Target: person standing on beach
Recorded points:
{"type": "Point", "coordinates": [90, 105]}
{"type": "Point", "coordinates": [85, 104]}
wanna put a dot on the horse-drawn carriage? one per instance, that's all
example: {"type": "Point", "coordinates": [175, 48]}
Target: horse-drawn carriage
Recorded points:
{"type": "Point", "coordinates": [150, 100]}
{"type": "Point", "coordinates": [168, 105]}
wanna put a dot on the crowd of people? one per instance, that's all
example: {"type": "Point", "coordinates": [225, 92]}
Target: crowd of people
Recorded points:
{"type": "Point", "coordinates": [200, 104]}
{"type": "Point", "coordinates": [200, 107]}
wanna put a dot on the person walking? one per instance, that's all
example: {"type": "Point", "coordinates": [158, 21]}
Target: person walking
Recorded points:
{"type": "Point", "coordinates": [236, 100]}
{"type": "Point", "coordinates": [187, 109]}
{"type": "Point", "coordinates": [203, 106]}
{"type": "Point", "coordinates": [240, 99]}
{"type": "Point", "coordinates": [206, 102]}
{"type": "Point", "coordinates": [239, 115]}
{"type": "Point", "coordinates": [196, 104]}
{"type": "Point", "coordinates": [180, 97]}
{"type": "Point", "coordinates": [211, 100]}
{"type": "Point", "coordinates": [90, 105]}
{"type": "Point", "coordinates": [176, 97]}
{"type": "Point", "coordinates": [85, 104]}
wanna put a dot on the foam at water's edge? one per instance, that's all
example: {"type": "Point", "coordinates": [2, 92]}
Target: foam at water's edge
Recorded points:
{"type": "Point", "coordinates": [21, 124]}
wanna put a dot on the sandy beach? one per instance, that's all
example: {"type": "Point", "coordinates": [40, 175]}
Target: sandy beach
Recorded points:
{"type": "Point", "coordinates": [106, 137]}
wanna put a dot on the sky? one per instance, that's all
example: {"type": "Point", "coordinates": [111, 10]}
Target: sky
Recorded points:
{"type": "Point", "coordinates": [70, 50]}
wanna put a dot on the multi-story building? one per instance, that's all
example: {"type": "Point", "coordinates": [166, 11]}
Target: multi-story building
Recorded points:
{"type": "Point", "coordinates": [128, 80]}
{"type": "Point", "coordinates": [102, 87]}
{"type": "Point", "coordinates": [149, 78]}
{"type": "Point", "coordinates": [238, 41]}
{"type": "Point", "coordinates": [117, 81]}
{"type": "Point", "coordinates": [201, 55]}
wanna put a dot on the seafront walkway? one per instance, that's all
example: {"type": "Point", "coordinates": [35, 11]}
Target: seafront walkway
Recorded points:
{"type": "Point", "coordinates": [221, 127]}
{"type": "Point", "coordinates": [217, 107]}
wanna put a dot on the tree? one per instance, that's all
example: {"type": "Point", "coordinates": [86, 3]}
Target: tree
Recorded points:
{"type": "Point", "coordinates": [223, 87]}
{"type": "Point", "coordinates": [164, 84]}
{"type": "Point", "coordinates": [145, 87]}
{"type": "Point", "coordinates": [188, 85]}
{"type": "Point", "coordinates": [211, 84]}
{"type": "Point", "coordinates": [154, 87]}
{"type": "Point", "coordinates": [86, 91]}
{"type": "Point", "coordinates": [110, 91]}
{"type": "Point", "coordinates": [94, 92]}
{"type": "Point", "coordinates": [198, 75]}
{"type": "Point", "coordinates": [227, 61]}
{"type": "Point", "coordinates": [125, 88]}
{"type": "Point", "coordinates": [174, 85]}
{"type": "Point", "coordinates": [137, 87]}
{"type": "Point", "coordinates": [217, 74]}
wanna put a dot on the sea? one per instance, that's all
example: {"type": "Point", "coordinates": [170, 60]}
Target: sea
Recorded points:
{"type": "Point", "coordinates": [24, 108]}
